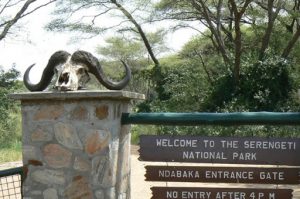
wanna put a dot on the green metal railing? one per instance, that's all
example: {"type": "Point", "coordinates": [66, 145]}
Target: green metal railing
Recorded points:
{"type": "Point", "coordinates": [247, 118]}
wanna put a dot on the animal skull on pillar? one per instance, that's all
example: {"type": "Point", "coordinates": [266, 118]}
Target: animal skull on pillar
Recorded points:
{"type": "Point", "coordinates": [72, 72]}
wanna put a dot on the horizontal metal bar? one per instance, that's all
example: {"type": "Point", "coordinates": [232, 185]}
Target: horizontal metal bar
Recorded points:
{"type": "Point", "coordinates": [239, 118]}
{"type": "Point", "coordinates": [12, 171]}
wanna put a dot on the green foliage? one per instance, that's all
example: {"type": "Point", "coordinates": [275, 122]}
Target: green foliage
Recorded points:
{"type": "Point", "coordinates": [137, 130]}
{"type": "Point", "coordinates": [133, 52]}
{"type": "Point", "coordinates": [264, 86]}
{"type": "Point", "coordinates": [10, 118]}
{"type": "Point", "coordinates": [267, 85]}
{"type": "Point", "coordinates": [181, 9]}
{"type": "Point", "coordinates": [158, 41]}
{"type": "Point", "coordinates": [119, 48]}
{"type": "Point", "coordinates": [221, 94]}
{"type": "Point", "coordinates": [183, 84]}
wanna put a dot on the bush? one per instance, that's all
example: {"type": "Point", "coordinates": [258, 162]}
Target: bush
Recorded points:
{"type": "Point", "coordinates": [264, 86]}
{"type": "Point", "coordinates": [10, 119]}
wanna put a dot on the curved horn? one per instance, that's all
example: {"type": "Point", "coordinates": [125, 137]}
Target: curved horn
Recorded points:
{"type": "Point", "coordinates": [56, 59]}
{"type": "Point", "coordinates": [95, 68]}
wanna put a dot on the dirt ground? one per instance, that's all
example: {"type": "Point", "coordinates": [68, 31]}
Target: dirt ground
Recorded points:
{"type": "Point", "coordinates": [140, 189]}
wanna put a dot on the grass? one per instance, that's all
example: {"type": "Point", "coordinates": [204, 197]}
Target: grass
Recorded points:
{"type": "Point", "coordinates": [11, 154]}
{"type": "Point", "coordinates": [137, 130]}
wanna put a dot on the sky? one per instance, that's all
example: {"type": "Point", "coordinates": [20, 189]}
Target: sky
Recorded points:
{"type": "Point", "coordinates": [33, 44]}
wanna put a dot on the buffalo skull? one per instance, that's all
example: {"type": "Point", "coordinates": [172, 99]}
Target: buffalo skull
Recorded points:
{"type": "Point", "coordinates": [72, 72]}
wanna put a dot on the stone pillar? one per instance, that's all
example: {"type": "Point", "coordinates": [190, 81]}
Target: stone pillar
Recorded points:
{"type": "Point", "coordinates": [74, 145]}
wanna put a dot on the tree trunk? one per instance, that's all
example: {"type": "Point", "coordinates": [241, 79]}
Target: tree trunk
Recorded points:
{"type": "Point", "coordinates": [202, 8]}
{"type": "Point", "coordinates": [140, 30]}
{"type": "Point", "coordinates": [291, 43]}
{"type": "Point", "coordinates": [271, 19]}
{"type": "Point", "coordinates": [238, 38]}
{"type": "Point", "coordinates": [157, 77]}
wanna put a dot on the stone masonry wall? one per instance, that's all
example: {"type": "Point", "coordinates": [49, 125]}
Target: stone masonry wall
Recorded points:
{"type": "Point", "coordinates": [75, 149]}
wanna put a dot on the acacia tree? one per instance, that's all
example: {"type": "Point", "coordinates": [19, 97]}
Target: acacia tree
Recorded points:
{"type": "Point", "coordinates": [72, 17]}
{"type": "Point", "coordinates": [91, 17]}
{"type": "Point", "coordinates": [12, 11]}
{"type": "Point", "coordinates": [225, 21]}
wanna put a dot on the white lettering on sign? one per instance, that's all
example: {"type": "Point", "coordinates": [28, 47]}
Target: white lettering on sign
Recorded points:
{"type": "Point", "coordinates": [271, 175]}
{"type": "Point", "coordinates": [271, 195]}
{"type": "Point", "coordinates": [229, 175]}
{"type": "Point", "coordinates": [176, 143]}
{"type": "Point", "coordinates": [260, 195]}
{"type": "Point", "coordinates": [209, 143]}
{"type": "Point", "coordinates": [231, 195]}
{"type": "Point", "coordinates": [219, 195]}
{"type": "Point", "coordinates": [195, 195]}
{"type": "Point", "coordinates": [243, 195]}
{"type": "Point", "coordinates": [178, 174]}
{"type": "Point", "coordinates": [243, 156]}
{"type": "Point", "coordinates": [270, 145]}
{"type": "Point", "coordinates": [221, 150]}
{"type": "Point", "coordinates": [230, 144]}
{"type": "Point", "coordinates": [203, 155]}
{"type": "Point", "coordinates": [172, 194]}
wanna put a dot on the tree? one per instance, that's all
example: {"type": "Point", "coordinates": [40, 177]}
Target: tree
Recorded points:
{"type": "Point", "coordinates": [12, 11]}
{"type": "Point", "coordinates": [131, 50]}
{"type": "Point", "coordinates": [226, 20]}
{"type": "Point", "coordinates": [70, 18]}
{"type": "Point", "coordinates": [265, 86]}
